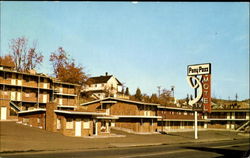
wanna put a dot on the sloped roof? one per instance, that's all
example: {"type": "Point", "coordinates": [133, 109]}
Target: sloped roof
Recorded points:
{"type": "Point", "coordinates": [118, 99]}
{"type": "Point", "coordinates": [101, 79]}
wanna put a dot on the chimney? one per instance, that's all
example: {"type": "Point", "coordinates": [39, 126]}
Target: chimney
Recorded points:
{"type": "Point", "coordinates": [106, 73]}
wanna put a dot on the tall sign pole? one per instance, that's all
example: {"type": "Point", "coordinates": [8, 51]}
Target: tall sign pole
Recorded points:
{"type": "Point", "coordinates": [202, 90]}
{"type": "Point", "coordinates": [195, 115]}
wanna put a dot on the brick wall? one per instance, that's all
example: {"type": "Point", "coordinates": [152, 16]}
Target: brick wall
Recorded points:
{"type": "Point", "coordinates": [92, 107]}
{"type": "Point", "coordinates": [36, 119]}
{"type": "Point", "coordinates": [121, 108]}
{"type": "Point", "coordinates": [147, 126]}
{"type": "Point", "coordinates": [71, 132]}
{"type": "Point", "coordinates": [51, 117]}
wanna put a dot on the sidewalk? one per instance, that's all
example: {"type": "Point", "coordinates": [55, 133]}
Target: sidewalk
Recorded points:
{"type": "Point", "coordinates": [19, 138]}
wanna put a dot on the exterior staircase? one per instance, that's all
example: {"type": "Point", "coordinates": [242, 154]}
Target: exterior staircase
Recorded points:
{"type": "Point", "coordinates": [244, 126]}
{"type": "Point", "coordinates": [15, 106]}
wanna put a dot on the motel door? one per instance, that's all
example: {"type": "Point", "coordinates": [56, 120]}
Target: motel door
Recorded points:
{"type": "Point", "coordinates": [78, 128]}
{"type": "Point", "coordinates": [3, 113]}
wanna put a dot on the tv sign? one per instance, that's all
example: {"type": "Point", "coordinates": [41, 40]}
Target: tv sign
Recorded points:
{"type": "Point", "coordinates": [199, 78]}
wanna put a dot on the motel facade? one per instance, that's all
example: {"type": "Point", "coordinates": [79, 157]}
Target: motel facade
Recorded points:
{"type": "Point", "coordinates": [44, 102]}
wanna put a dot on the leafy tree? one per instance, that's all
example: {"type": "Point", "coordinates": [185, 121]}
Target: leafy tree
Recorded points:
{"type": "Point", "coordinates": [7, 60]}
{"type": "Point", "coordinates": [138, 94]}
{"type": "Point", "coordinates": [24, 58]}
{"type": "Point", "coordinates": [145, 98]}
{"type": "Point", "coordinates": [154, 98]}
{"type": "Point", "coordinates": [165, 97]}
{"type": "Point", "coordinates": [66, 69]}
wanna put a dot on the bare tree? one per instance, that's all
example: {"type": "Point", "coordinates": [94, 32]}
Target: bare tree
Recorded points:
{"type": "Point", "coordinates": [24, 58]}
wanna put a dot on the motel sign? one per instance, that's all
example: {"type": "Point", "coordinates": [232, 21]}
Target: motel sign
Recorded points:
{"type": "Point", "coordinates": [199, 78]}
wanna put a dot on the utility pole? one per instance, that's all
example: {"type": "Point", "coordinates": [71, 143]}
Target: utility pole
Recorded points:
{"type": "Point", "coordinates": [172, 89]}
{"type": "Point", "coordinates": [159, 90]}
{"type": "Point", "coordinates": [236, 97]}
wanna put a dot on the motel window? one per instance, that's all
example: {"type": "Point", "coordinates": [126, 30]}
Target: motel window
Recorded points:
{"type": "Point", "coordinates": [58, 124]}
{"type": "Point", "coordinates": [38, 120]}
{"type": "Point", "coordinates": [141, 123]}
{"type": "Point", "coordinates": [69, 124]}
{"type": "Point", "coordinates": [151, 123]}
{"type": "Point", "coordinates": [4, 93]}
{"type": "Point", "coordinates": [27, 94]}
{"type": "Point", "coordinates": [86, 124]}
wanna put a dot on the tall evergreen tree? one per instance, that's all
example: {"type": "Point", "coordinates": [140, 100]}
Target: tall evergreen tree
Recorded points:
{"type": "Point", "coordinates": [127, 91]}
{"type": "Point", "coordinates": [138, 94]}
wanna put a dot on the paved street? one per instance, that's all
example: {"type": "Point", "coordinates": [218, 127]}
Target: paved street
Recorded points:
{"type": "Point", "coordinates": [233, 148]}
{"type": "Point", "coordinates": [18, 140]}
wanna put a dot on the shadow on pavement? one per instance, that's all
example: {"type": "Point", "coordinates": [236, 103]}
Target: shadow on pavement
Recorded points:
{"type": "Point", "coordinates": [224, 152]}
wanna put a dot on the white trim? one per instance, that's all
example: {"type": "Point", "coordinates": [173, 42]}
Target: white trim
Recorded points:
{"type": "Point", "coordinates": [191, 120]}
{"type": "Point", "coordinates": [218, 119]}
{"type": "Point", "coordinates": [137, 116]}
{"type": "Point", "coordinates": [231, 110]}
{"type": "Point", "coordinates": [79, 113]}
{"type": "Point", "coordinates": [107, 117]}
{"type": "Point", "coordinates": [66, 106]}
{"type": "Point", "coordinates": [95, 101]}
{"type": "Point", "coordinates": [66, 94]}
{"type": "Point", "coordinates": [28, 111]}
{"type": "Point", "coordinates": [108, 102]}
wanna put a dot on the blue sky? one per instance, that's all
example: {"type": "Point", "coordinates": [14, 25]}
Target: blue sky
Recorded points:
{"type": "Point", "coordinates": [144, 45]}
